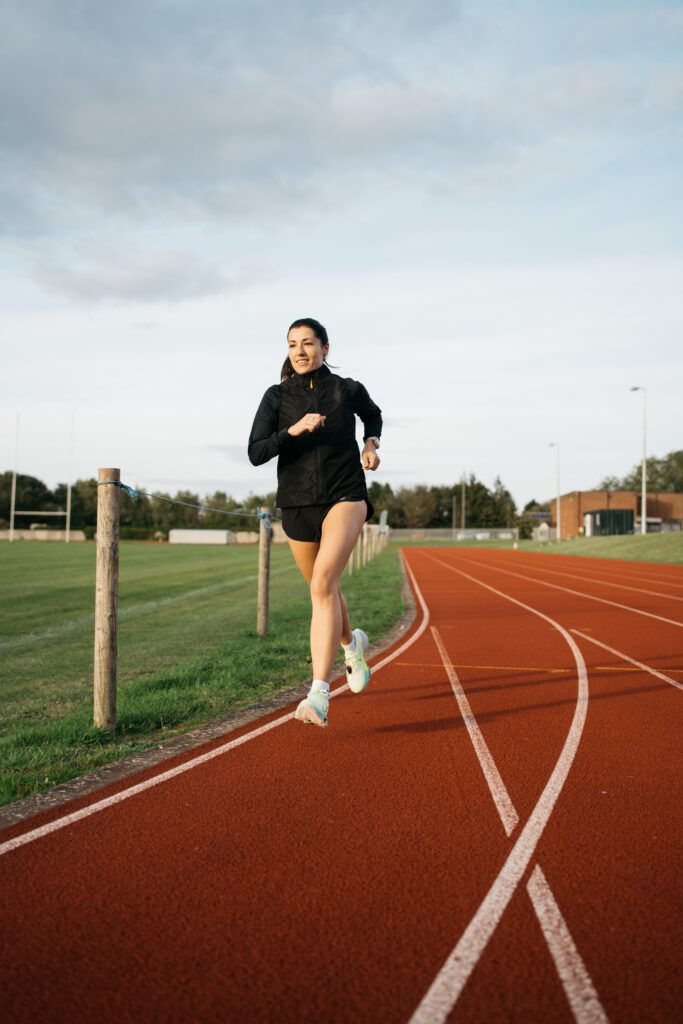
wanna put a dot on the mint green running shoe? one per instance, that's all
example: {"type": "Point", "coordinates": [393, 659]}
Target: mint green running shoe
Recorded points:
{"type": "Point", "coordinates": [357, 669]}
{"type": "Point", "coordinates": [313, 708]}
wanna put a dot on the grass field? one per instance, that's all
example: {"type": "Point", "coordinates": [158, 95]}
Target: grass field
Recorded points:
{"type": "Point", "coordinates": [188, 650]}
{"type": "Point", "coordinates": [653, 547]}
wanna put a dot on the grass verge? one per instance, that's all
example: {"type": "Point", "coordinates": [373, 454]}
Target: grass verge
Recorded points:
{"type": "Point", "coordinates": [183, 662]}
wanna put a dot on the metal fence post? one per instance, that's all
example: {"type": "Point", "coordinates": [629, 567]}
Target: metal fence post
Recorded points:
{"type": "Point", "coordinates": [106, 598]}
{"type": "Point", "coordinates": [265, 535]}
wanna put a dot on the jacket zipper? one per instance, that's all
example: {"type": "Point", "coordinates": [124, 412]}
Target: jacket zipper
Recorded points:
{"type": "Point", "coordinates": [315, 442]}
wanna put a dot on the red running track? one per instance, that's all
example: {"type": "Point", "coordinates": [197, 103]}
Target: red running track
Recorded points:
{"type": "Point", "coordinates": [489, 833]}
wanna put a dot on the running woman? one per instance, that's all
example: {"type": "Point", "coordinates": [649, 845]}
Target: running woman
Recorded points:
{"type": "Point", "coordinates": [309, 421]}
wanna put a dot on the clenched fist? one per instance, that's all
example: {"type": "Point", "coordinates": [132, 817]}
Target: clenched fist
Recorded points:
{"type": "Point", "coordinates": [307, 424]}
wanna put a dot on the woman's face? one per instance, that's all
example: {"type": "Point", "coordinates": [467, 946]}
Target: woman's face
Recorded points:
{"type": "Point", "coordinates": [306, 351]}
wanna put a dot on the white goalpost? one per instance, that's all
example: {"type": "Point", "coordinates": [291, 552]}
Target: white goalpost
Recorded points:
{"type": "Point", "coordinates": [14, 511]}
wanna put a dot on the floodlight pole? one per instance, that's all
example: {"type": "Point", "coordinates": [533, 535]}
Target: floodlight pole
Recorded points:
{"type": "Point", "coordinates": [13, 498]}
{"type": "Point", "coordinates": [643, 499]}
{"type": "Point", "coordinates": [555, 445]}
{"type": "Point", "coordinates": [68, 486]}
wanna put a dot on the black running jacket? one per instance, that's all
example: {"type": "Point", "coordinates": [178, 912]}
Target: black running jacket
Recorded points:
{"type": "Point", "coordinates": [320, 467]}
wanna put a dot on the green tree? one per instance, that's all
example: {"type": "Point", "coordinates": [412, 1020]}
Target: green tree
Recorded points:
{"type": "Point", "coordinates": [31, 493]}
{"type": "Point", "coordinates": [419, 505]}
{"type": "Point", "coordinates": [663, 474]}
{"type": "Point", "coordinates": [83, 502]}
{"type": "Point", "coordinates": [504, 508]}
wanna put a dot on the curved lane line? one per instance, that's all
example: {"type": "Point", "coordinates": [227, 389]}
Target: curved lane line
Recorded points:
{"type": "Point", "coordinates": [579, 989]}
{"type": "Point", "coordinates": [501, 797]}
{"type": "Point", "coordinates": [567, 590]}
{"type": "Point", "coordinates": [445, 990]}
{"type": "Point", "coordinates": [620, 654]}
{"type": "Point", "coordinates": [117, 798]}
{"type": "Point", "coordinates": [615, 575]}
{"type": "Point", "coordinates": [577, 984]}
{"type": "Point", "coordinates": [606, 583]}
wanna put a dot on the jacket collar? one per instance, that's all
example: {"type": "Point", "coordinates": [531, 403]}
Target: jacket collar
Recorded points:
{"type": "Point", "coordinates": [317, 376]}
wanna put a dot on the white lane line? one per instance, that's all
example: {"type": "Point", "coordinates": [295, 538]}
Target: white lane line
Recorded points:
{"type": "Point", "coordinates": [117, 798]}
{"type": "Point", "coordinates": [451, 979]}
{"type": "Point", "coordinates": [620, 654]}
{"type": "Point", "coordinates": [131, 610]}
{"type": "Point", "coordinates": [606, 583]}
{"type": "Point", "coordinates": [423, 625]}
{"type": "Point", "coordinates": [575, 979]}
{"type": "Point", "coordinates": [614, 575]}
{"type": "Point", "coordinates": [501, 797]}
{"type": "Point", "coordinates": [568, 590]}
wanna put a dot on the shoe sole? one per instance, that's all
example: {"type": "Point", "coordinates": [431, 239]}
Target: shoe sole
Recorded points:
{"type": "Point", "coordinates": [309, 716]}
{"type": "Point", "coordinates": [359, 689]}
{"type": "Point", "coordinates": [364, 646]}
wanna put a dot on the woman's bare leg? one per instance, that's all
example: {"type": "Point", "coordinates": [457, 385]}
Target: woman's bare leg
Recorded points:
{"type": "Point", "coordinates": [305, 554]}
{"type": "Point", "coordinates": [340, 531]}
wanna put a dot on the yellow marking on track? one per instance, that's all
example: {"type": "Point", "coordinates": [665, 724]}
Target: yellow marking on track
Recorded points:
{"type": "Point", "coordinates": [501, 668]}
{"type": "Point", "coordinates": [527, 668]}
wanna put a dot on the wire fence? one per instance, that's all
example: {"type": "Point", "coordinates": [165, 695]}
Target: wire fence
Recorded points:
{"type": "Point", "coordinates": [371, 541]}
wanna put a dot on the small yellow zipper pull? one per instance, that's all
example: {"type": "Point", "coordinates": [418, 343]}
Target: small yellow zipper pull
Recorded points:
{"type": "Point", "coordinates": [311, 383]}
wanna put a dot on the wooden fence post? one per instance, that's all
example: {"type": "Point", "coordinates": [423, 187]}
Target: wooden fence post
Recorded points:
{"type": "Point", "coordinates": [265, 535]}
{"type": "Point", "coordinates": [357, 549]}
{"type": "Point", "coordinates": [106, 598]}
{"type": "Point", "coordinates": [365, 544]}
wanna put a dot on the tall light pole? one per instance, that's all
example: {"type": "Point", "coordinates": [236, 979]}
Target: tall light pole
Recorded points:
{"type": "Point", "coordinates": [13, 492]}
{"type": "Point", "coordinates": [555, 445]}
{"type": "Point", "coordinates": [643, 498]}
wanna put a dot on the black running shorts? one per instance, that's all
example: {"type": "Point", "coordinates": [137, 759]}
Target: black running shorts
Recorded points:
{"type": "Point", "coordinates": [305, 522]}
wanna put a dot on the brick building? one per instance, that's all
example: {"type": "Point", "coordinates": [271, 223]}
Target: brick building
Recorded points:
{"type": "Point", "coordinates": [664, 509]}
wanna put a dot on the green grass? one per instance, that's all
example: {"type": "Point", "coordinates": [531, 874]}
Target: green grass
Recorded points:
{"type": "Point", "coordinates": [188, 650]}
{"type": "Point", "coordinates": [653, 547]}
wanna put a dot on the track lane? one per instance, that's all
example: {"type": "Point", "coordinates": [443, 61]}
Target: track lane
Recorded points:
{"type": "Point", "coordinates": [639, 572]}
{"type": "Point", "coordinates": [295, 849]}
{"type": "Point", "coordinates": [625, 792]}
{"type": "Point", "coordinates": [376, 836]}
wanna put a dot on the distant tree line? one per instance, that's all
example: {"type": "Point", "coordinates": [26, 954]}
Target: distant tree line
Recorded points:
{"type": "Point", "coordinates": [140, 517]}
{"type": "Point", "coordinates": [419, 506]}
{"type": "Point", "coordinates": [433, 507]}
{"type": "Point", "coordinates": [665, 474]}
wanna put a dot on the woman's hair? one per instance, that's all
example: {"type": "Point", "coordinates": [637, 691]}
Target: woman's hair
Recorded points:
{"type": "Point", "coordinates": [320, 333]}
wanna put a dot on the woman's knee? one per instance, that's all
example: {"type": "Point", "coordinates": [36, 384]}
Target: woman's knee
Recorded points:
{"type": "Point", "coordinates": [324, 585]}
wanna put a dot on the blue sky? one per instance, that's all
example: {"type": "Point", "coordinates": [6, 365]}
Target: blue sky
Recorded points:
{"type": "Point", "coordinates": [481, 201]}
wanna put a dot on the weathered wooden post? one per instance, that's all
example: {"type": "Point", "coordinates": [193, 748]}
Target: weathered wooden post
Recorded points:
{"type": "Point", "coordinates": [349, 564]}
{"type": "Point", "coordinates": [359, 545]}
{"type": "Point", "coordinates": [365, 544]}
{"type": "Point", "coordinates": [106, 598]}
{"type": "Point", "coordinates": [265, 535]}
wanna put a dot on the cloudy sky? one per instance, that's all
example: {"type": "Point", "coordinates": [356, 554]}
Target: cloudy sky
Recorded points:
{"type": "Point", "coordinates": [481, 200]}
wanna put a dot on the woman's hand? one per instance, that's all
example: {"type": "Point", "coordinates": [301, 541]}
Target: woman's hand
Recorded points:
{"type": "Point", "coordinates": [369, 456]}
{"type": "Point", "coordinates": [307, 424]}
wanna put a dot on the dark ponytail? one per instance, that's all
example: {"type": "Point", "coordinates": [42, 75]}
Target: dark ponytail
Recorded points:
{"type": "Point", "coordinates": [320, 333]}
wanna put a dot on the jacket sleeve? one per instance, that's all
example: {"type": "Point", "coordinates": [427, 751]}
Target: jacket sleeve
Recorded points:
{"type": "Point", "coordinates": [366, 409]}
{"type": "Point", "coordinates": [265, 440]}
